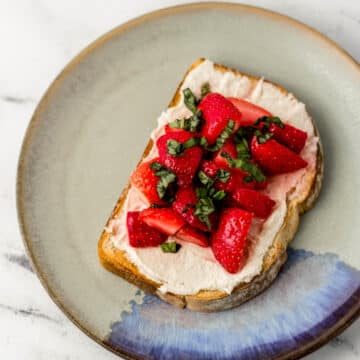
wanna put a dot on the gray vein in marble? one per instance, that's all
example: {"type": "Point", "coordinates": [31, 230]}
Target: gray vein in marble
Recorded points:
{"type": "Point", "coordinates": [17, 99]}
{"type": "Point", "coordinates": [29, 312]}
{"type": "Point", "coordinates": [20, 260]}
{"type": "Point", "coordinates": [350, 17]}
{"type": "Point", "coordinates": [343, 343]}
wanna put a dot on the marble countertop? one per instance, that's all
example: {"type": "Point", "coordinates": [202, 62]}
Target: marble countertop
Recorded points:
{"type": "Point", "coordinates": [38, 38]}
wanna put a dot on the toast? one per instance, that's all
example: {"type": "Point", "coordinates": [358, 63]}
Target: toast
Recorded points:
{"type": "Point", "coordinates": [117, 261]}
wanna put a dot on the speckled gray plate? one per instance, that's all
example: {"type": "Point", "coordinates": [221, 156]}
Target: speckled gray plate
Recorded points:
{"type": "Point", "coordinates": [88, 132]}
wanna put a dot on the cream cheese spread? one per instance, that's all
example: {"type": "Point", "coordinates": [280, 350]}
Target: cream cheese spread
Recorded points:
{"type": "Point", "coordinates": [194, 268]}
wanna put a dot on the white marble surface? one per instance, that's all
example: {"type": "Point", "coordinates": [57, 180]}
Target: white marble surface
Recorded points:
{"type": "Point", "coordinates": [38, 37]}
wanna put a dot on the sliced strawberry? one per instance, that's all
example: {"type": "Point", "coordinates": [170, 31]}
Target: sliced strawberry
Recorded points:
{"type": "Point", "coordinates": [254, 201]}
{"type": "Point", "coordinates": [211, 169]}
{"type": "Point", "coordinates": [250, 112]}
{"type": "Point", "coordinates": [184, 204]}
{"type": "Point", "coordinates": [144, 179]}
{"type": "Point", "coordinates": [289, 136]}
{"type": "Point", "coordinates": [195, 236]}
{"type": "Point", "coordinates": [140, 234]}
{"type": "Point", "coordinates": [217, 111]}
{"type": "Point", "coordinates": [230, 239]}
{"type": "Point", "coordinates": [230, 148]}
{"type": "Point", "coordinates": [275, 158]}
{"type": "Point", "coordinates": [184, 165]}
{"type": "Point", "coordinates": [166, 220]}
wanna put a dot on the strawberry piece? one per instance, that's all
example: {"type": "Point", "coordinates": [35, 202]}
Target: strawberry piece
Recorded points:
{"type": "Point", "coordinates": [275, 158]}
{"type": "Point", "coordinates": [140, 234]}
{"type": "Point", "coordinates": [230, 148]}
{"type": "Point", "coordinates": [184, 204]}
{"type": "Point", "coordinates": [184, 165]}
{"type": "Point", "coordinates": [254, 201]}
{"type": "Point", "coordinates": [195, 236]}
{"type": "Point", "coordinates": [210, 169]}
{"type": "Point", "coordinates": [229, 242]}
{"type": "Point", "coordinates": [250, 112]}
{"type": "Point", "coordinates": [217, 111]}
{"type": "Point", "coordinates": [166, 220]}
{"type": "Point", "coordinates": [289, 136]}
{"type": "Point", "coordinates": [144, 179]}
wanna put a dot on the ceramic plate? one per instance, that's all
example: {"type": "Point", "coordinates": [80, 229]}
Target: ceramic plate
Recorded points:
{"type": "Point", "coordinates": [88, 133]}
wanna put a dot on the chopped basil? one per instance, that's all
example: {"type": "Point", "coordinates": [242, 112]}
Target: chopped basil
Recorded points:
{"type": "Point", "coordinates": [220, 141]}
{"type": "Point", "coordinates": [191, 124]}
{"type": "Point", "coordinates": [268, 120]}
{"type": "Point", "coordinates": [203, 209]}
{"type": "Point", "coordinates": [254, 172]}
{"type": "Point", "coordinates": [155, 166]}
{"type": "Point", "coordinates": [174, 147]}
{"type": "Point", "coordinates": [223, 175]}
{"type": "Point", "coordinates": [205, 89]}
{"type": "Point", "coordinates": [166, 178]}
{"type": "Point", "coordinates": [190, 100]}
{"type": "Point", "coordinates": [190, 143]}
{"type": "Point", "coordinates": [219, 195]}
{"type": "Point", "coordinates": [170, 247]}
{"type": "Point", "coordinates": [205, 180]}
{"type": "Point", "coordinates": [242, 149]}
{"type": "Point", "coordinates": [262, 137]}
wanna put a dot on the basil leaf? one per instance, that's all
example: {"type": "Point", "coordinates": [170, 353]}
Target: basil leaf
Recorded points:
{"type": "Point", "coordinates": [242, 149]}
{"type": "Point", "coordinates": [245, 165]}
{"type": "Point", "coordinates": [268, 120]}
{"type": "Point", "coordinates": [191, 124]}
{"type": "Point", "coordinates": [190, 100]}
{"type": "Point", "coordinates": [163, 184]}
{"type": "Point", "coordinates": [203, 209]}
{"type": "Point", "coordinates": [201, 192]}
{"type": "Point", "coordinates": [170, 247]}
{"type": "Point", "coordinates": [174, 147]}
{"type": "Point", "coordinates": [219, 195]}
{"type": "Point", "coordinates": [205, 180]}
{"type": "Point", "coordinates": [223, 175]}
{"type": "Point", "coordinates": [225, 134]}
{"type": "Point", "coordinates": [191, 142]}
{"type": "Point", "coordinates": [205, 89]}
{"type": "Point", "coordinates": [263, 138]}
{"type": "Point", "coordinates": [155, 165]}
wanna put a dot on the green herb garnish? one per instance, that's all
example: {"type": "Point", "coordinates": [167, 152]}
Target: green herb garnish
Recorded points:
{"type": "Point", "coordinates": [223, 175]}
{"type": "Point", "coordinates": [254, 172]}
{"type": "Point", "coordinates": [242, 149]}
{"type": "Point", "coordinates": [190, 100]}
{"type": "Point", "coordinates": [191, 124]}
{"type": "Point", "coordinates": [203, 209]}
{"type": "Point", "coordinates": [205, 89]}
{"type": "Point", "coordinates": [205, 180]}
{"type": "Point", "coordinates": [166, 177]}
{"type": "Point", "coordinates": [220, 141]}
{"type": "Point", "coordinates": [175, 147]}
{"type": "Point", "coordinates": [170, 247]}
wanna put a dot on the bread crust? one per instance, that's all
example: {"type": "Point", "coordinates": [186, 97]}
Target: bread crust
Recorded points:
{"type": "Point", "coordinates": [115, 260]}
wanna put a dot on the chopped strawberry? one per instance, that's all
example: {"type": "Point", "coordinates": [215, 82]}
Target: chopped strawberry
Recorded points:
{"type": "Point", "coordinates": [166, 220]}
{"type": "Point", "coordinates": [217, 111]}
{"type": "Point", "coordinates": [230, 148]}
{"type": "Point", "coordinates": [140, 234]}
{"type": "Point", "coordinates": [184, 204]}
{"type": "Point", "coordinates": [195, 236]}
{"type": "Point", "coordinates": [250, 112]}
{"type": "Point", "coordinates": [183, 165]}
{"type": "Point", "coordinates": [289, 136]}
{"type": "Point", "coordinates": [144, 179]}
{"type": "Point", "coordinates": [275, 158]}
{"type": "Point", "coordinates": [211, 169]}
{"type": "Point", "coordinates": [230, 239]}
{"type": "Point", "coordinates": [254, 201]}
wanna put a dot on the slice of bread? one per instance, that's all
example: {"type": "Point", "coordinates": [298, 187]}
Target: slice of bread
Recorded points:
{"type": "Point", "coordinates": [115, 259]}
